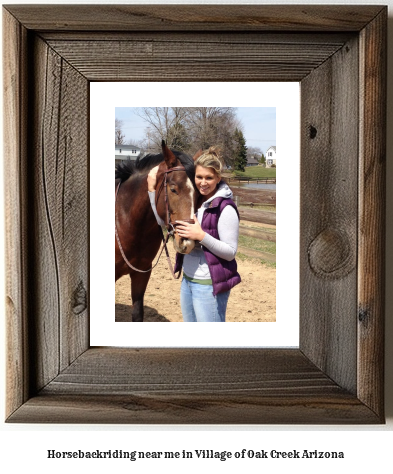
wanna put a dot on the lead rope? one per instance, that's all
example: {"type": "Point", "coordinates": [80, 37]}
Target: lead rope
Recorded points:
{"type": "Point", "coordinates": [164, 240]}
{"type": "Point", "coordinates": [168, 256]}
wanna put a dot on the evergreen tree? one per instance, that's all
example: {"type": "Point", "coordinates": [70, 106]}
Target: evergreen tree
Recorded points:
{"type": "Point", "coordinates": [240, 161]}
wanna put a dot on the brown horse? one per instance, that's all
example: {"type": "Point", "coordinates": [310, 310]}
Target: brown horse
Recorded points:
{"type": "Point", "coordinates": [136, 226]}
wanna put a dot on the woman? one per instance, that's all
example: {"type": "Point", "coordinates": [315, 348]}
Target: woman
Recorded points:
{"type": "Point", "coordinates": [210, 269]}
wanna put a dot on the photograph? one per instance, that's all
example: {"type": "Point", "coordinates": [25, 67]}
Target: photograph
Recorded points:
{"type": "Point", "coordinates": [198, 216]}
{"type": "Point", "coordinates": [195, 214]}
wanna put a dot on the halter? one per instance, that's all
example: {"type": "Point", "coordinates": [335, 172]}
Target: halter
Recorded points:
{"type": "Point", "coordinates": [170, 225]}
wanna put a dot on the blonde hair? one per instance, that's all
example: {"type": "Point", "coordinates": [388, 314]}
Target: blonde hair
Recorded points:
{"type": "Point", "coordinates": [211, 158]}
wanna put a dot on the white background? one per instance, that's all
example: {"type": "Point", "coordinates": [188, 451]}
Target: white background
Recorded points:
{"type": "Point", "coordinates": [104, 97]}
{"type": "Point", "coordinates": [367, 448]}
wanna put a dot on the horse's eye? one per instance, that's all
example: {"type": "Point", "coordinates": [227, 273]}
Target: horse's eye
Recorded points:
{"type": "Point", "coordinates": [173, 190]}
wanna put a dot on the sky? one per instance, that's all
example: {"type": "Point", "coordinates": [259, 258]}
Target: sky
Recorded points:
{"type": "Point", "coordinates": [259, 125]}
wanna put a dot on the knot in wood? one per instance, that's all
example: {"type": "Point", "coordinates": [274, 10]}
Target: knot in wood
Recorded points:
{"type": "Point", "coordinates": [330, 254]}
{"type": "Point", "coordinates": [363, 316]}
{"type": "Point", "coordinates": [313, 132]}
{"type": "Point", "coordinates": [80, 299]}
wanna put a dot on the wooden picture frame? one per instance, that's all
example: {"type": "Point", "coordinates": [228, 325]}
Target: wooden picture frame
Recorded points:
{"type": "Point", "coordinates": [338, 54]}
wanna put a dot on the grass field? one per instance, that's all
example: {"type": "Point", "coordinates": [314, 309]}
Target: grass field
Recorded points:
{"type": "Point", "coordinates": [260, 207]}
{"type": "Point", "coordinates": [257, 244]}
{"type": "Point", "coordinates": [256, 172]}
{"type": "Point", "coordinates": [244, 258]}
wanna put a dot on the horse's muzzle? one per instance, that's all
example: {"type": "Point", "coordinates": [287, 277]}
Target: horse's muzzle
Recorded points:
{"type": "Point", "coordinates": [183, 245]}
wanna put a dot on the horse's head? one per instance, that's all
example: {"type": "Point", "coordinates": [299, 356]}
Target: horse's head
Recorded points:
{"type": "Point", "coordinates": [181, 197]}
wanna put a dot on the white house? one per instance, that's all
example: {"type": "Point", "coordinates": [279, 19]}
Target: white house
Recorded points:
{"type": "Point", "coordinates": [270, 157]}
{"type": "Point", "coordinates": [126, 152]}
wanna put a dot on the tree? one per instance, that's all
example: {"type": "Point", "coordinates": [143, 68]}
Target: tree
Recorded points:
{"type": "Point", "coordinates": [119, 136]}
{"type": "Point", "coordinates": [256, 153]}
{"type": "Point", "coordinates": [189, 129]}
{"type": "Point", "coordinates": [240, 161]}
{"type": "Point", "coordinates": [213, 126]}
{"type": "Point", "coordinates": [165, 123]}
{"type": "Point", "coordinates": [179, 138]}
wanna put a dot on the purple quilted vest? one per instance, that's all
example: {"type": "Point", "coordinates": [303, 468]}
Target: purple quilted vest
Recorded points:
{"type": "Point", "coordinates": [224, 274]}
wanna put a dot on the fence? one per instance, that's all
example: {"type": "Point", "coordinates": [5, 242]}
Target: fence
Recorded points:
{"type": "Point", "coordinates": [242, 179]}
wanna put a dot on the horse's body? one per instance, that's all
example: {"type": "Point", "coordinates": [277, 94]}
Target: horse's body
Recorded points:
{"type": "Point", "coordinates": [137, 228]}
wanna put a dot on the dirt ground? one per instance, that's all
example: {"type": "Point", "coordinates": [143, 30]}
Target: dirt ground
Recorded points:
{"type": "Point", "coordinates": [253, 300]}
{"type": "Point", "coordinates": [256, 196]}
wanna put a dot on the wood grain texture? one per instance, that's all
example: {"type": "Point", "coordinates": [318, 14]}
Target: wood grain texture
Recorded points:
{"type": "Point", "coordinates": [372, 198]}
{"type": "Point", "coordinates": [195, 17]}
{"type": "Point", "coordinates": [193, 386]}
{"type": "Point", "coordinates": [194, 409]}
{"type": "Point", "coordinates": [59, 169]}
{"type": "Point", "coordinates": [200, 37]}
{"type": "Point", "coordinates": [329, 170]}
{"type": "Point", "coordinates": [335, 376]}
{"type": "Point", "coordinates": [191, 60]}
{"type": "Point", "coordinates": [14, 148]}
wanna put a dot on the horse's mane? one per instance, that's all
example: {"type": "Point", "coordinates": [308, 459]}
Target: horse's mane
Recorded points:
{"type": "Point", "coordinates": [126, 168]}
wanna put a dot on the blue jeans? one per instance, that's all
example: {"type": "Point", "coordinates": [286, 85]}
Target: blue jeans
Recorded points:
{"type": "Point", "coordinates": [199, 305]}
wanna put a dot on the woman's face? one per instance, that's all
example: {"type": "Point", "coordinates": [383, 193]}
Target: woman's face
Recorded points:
{"type": "Point", "coordinates": [206, 181]}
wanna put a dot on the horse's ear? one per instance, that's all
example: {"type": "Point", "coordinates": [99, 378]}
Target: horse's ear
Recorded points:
{"type": "Point", "coordinates": [170, 158]}
{"type": "Point", "coordinates": [197, 154]}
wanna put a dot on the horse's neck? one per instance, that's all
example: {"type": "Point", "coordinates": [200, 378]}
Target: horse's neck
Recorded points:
{"type": "Point", "coordinates": [138, 202]}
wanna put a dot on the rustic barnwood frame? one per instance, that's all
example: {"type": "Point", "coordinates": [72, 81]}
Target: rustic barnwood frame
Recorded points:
{"type": "Point", "coordinates": [338, 54]}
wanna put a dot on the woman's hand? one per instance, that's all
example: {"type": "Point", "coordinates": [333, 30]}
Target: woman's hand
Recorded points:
{"type": "Point", "coordinates": [190, 231]}
{"type": "Point", "coordinates": [152, 179]}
